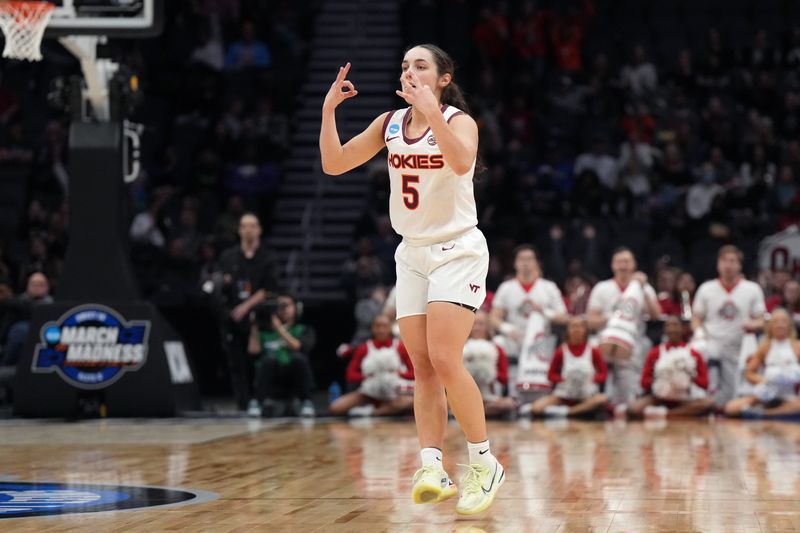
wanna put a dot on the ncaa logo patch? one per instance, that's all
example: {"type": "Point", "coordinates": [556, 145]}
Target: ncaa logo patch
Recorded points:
{"type": "Point", "coordinates": [432, 140]}
{"type": "Point", "coordinates": [394, 128]}
{"type": "Point", "coordinates": [20, 499]}
{"type": "Point", "coordinates": [91, 346]}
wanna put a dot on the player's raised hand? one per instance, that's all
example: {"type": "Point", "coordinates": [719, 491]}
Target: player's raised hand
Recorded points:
{"type": "Point", "coordinates": [337, 94]}
{"type": "Point", "coordinates": [418, 95]}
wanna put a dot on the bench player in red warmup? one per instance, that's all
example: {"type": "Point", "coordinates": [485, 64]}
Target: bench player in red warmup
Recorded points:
{"type": "Point", "coordinates": [442, 261]}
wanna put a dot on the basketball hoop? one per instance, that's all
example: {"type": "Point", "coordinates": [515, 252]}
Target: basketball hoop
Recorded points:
{"type": "Point", "coordinates": [23, 24]}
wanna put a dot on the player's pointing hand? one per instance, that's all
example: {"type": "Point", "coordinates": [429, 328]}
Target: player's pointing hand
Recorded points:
{"type": "Point", "coordinates": [337, 93]}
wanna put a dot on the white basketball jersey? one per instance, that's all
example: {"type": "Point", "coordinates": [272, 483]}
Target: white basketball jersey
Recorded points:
{"type": "Point", "coordinates": [429, 202]}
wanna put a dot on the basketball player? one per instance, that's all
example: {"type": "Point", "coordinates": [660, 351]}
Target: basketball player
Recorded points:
{"type": "Point", "coordinates": [527, 293]}
{"type": "Point", "coordinates": [724, 310]}
{"type": "Point", "coordinates": [442, 261]}
{"type": "Point", "coordinates": [617, 309]}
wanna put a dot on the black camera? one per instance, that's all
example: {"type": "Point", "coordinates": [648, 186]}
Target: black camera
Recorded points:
{"type": "Point", "coordinates": [265, 310]}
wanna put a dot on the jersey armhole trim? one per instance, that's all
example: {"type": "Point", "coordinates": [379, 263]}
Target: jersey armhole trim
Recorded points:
{"type": "Point", "coordinates": [454, 115]}
{"type": "Point", "coordinates": [385, 125]}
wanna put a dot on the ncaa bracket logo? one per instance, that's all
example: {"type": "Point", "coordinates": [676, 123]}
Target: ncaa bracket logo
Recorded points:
{"type": "Point", "coordinates": [91, 346]}
{"type": "Point", "coordinates": [394, 128]}
{"type": "Point", "coordinates": [22, 499]}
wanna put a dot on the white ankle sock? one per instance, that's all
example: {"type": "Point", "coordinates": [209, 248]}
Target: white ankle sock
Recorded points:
{"type": "Point", "coordinates": [431, 457]}
{"type": "Point", "coordinates": [480, 453]}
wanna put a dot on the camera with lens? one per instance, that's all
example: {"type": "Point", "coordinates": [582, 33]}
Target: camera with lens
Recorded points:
{"type": "Point", "coordinates": [265, 310]}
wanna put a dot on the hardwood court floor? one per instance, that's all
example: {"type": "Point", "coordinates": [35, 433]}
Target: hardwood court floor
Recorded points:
{"type": "Point", "coordinates": [324, 476]}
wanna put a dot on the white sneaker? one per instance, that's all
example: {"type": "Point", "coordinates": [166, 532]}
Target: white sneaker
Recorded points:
{"type": "Point", "coordinates": [655, 411]}
{"type": "Point", "coordinates": [432, 485]}
{"type": "Point", "coordinates": [480, 487]}
{"type": "Point", "coordinates": [621, 410]}
{"type": "Point", "coordinates": [361, 410]}
{"type": "Point", "coordinates": [254, 408]}
{"type": "Point", "coordinates": [557, 411]}
{"type": "Point", "coordinates": [307, 409]}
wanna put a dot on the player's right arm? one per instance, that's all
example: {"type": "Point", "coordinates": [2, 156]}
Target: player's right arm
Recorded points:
{"type": "Point", "coordinates": [338, 159]}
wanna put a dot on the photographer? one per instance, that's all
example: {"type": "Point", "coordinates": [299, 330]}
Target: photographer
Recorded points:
{"type": "Point", "coordinates": [282, 367]}
{"type": "Point", "coordinates": [248, 278]}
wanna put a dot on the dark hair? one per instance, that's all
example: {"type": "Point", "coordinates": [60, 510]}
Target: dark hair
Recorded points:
{"type": "Point", "coordinates": [451, 94]}
{"type": "Point", "coordinates": [525, 248]}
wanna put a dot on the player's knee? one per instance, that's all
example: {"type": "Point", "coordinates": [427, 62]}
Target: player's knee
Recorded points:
{"type": "Point", "coordinates": [446, 365]}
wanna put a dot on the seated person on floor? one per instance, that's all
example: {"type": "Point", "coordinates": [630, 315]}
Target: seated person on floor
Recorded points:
{"type": "Point", "coordinates": [282, 369]}
{"type": "Point", "coordinates": [577, 371]}
{"type": "Point", "coordinates": [775, 390]}
{"type": "Point", "coordinates": [382, 371]}
{"type": "Point", "coordinates": [674, 379]}
{"type": "Point", "coordinates": [488, 365]}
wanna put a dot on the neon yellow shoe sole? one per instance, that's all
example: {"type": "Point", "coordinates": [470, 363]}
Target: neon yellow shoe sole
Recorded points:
{"type": "Point", "coordinates": [431, 493]}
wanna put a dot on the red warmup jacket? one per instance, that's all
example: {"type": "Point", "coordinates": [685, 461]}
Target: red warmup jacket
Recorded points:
{"type": "Point", "coordinates": [701, 379]}
{"type": "Point", "coordinates": [600, 368]}
{"type": "Point", "coordinates": [354, 375]}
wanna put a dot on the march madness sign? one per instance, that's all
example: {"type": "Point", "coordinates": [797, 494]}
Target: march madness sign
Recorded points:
{"type": "Point", "coordinates": [91, 346]}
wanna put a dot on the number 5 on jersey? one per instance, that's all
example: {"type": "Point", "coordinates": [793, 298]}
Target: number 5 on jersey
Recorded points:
{"type": "Point", "coordinates": [410, 193]}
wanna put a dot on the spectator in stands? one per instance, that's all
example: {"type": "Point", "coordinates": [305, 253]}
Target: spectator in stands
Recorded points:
{"type": "Point", "coordinates": [667, 290]}
{"type": "Point", "coordinates": [282, 346]}
{"type": "Point", "coordinates": [567, 34]}
{"type": "Point", "coordinates": [488, 365]}
{"type": "Point", "coordinates": [366, 311]}
{"type": "Point", "coordinates": [775, 388]}
{"type": "Point", "coordinates": [248, 278]}
{"type": "Point", "coordinates": [248, 51]}
{"type": "Point", "coordinates": [639, 76]}
{"type": "Point", "coordinates": [37, 292]}
{"type": "Point", "coordinates": [382, 375]}
{"type": "Point", "coordinates": [600, 162]}
{"type": "Point", "coordinates": [8, 314]}
{"type": "Point", "coordinates": [617, 310]}
{"type": "Point", "coordinates": [789, 300]}
{"type": "Point", "coordinates": [701, 195]}
{"type": "Point", "coordinates": [577, 372]}
{"type": "Point", "coordinates": [491, 35]}
{"type": "Point", "coordinates": [724, 310]}
{"type": "Point", "coordinates": [361, 273]}
{"type": "Point", "coordinates": [674, 378]}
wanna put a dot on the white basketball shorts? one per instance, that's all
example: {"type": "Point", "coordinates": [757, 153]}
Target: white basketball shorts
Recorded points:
{"type": "Point", "coordinates": [451, 271]}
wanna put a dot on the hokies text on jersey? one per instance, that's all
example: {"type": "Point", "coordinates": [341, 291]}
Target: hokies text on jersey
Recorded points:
{"type": "Point", "coordinates": [416, 161]}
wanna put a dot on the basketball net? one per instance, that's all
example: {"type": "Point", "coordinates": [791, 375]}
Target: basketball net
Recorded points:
{"type": "Point", "coordinates": [23, 24]}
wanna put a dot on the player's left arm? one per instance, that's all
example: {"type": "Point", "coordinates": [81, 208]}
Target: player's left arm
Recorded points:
{"type": "Point", "coordinates": [458, 140]}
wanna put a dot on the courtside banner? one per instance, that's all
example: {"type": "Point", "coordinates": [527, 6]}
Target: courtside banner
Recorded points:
{"type": "Point", "coordinates": [91, 346]}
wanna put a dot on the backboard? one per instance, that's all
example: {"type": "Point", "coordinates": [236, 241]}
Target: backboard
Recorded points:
{"type": "Point", "coordinates": [113, 18]}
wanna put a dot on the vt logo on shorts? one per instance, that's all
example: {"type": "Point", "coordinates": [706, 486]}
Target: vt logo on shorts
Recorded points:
{"type": "Point", "coordinates": [474, 288]}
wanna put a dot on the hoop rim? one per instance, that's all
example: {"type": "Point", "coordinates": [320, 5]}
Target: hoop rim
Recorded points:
{"type": "Point", "coordinates": [42, 5]}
